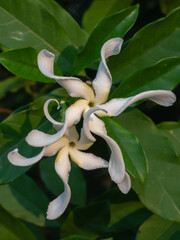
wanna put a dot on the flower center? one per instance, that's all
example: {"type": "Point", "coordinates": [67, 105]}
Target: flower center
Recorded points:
{"type": "Point", "coordinates": [72, 144]}
{"type": "Point", "coordinates": [91, 104]}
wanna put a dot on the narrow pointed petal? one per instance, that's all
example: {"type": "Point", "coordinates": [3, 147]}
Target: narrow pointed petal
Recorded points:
{"type": "Point", "coordinates": [116, 162]}
{"type": "Point", "coordinates": [103, 81]}
{"type": "Point", "coordinates": [18, 160]}
{"type": "Point", "coordinates": [62, 166]}
{"type": "Point", "coordinates": [87, 161]}
{"type": "Point", "coordinates": [48, 116]}
{"type": "Point", "coordinates": [84, 143]}
{"type": "Point", "coordinates": [117, 105]}
{"type": "Point", "coordinates": [37, 138]}
{"type": "Point", "coordinates": [91, 122]}
{"type": "Point", "coordinates": [74, 86]}
{"type": "Point", "coordinates": [72, 134]}
{"type": "Point", "coordinates": [125, 185]}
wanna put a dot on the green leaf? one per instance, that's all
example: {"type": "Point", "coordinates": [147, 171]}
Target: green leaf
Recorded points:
{"type": "Point", "coordinates": [13, 229]}
{"type": "Point", "coordinates": [167, 6]}
{"type": "Point", "coordinates": [55, 185]}
{"type": "Point", "coordinates": [163, 75]}
{"type": "Point", "coordinates": [161, 192]}
{"type": "Point", "coordinates": [28, 23]}
{"type": "Point", "coordinates": [23, 63]}
{"type": "Point", "coordinates": [155, 41]}
{"type": "Point", "coordinates": [156, 228]}
{"type": "Point", "coordinates": [116, 25]}
{"type": "Point", "coordinates": [171, 130]}
{"type": "Point", "coordinates": [11, 84]}
{"type": "Point", "coordinates": [76, 34]}
{"type": "Point", "coordinates": [123, 217]}
{"type": "Point", "coordinates": [100, 9]}
{"type": "Point", "coordinates": [69, 228]}
{"type": "Point", "coordinates": [24, 199]}
{"type": "Point", "coordinates": [134, 157]}
{"type": "Point", "coordinates": [94, 217]}
{"type": "Point", "coordinates": [15, 128]}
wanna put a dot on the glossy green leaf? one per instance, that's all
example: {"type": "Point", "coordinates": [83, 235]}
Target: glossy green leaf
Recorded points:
{"type": "Point", "coordinates": [161, 192]}
{"type": "Point", "coordinates": [156, 228]}
{"type": "Point", "coordinates": [11, 84]}
{"type": "Point", "coordinates": [28, 23]}
{"type": "Point", "coordinates": [23, 63]}
{"type": "Point", "coordinates": [167, 6]}
{"type": "Point", "coordinates": [171, 130]}
{"type": "Point", "coordinates": [116, 25]}
{"type": "Point", "coordinates": [15, 128]}
{"type": "Point", "coordinates": [24, 199]}
{"type": "Point", "coordinates": [55, 185]}
{"type": "Point", "coordinates": [77, 237]}
{"type": "Point", "coordinates": [163, 75]}
{"type": "Point", "coordinates": [125, 218]}
{"type": "Point", "coordinates": [134, 156]}
{"type": "Point", "coordinates": [155, 41]}
{"type": "Point", "coordinates": [13, 229]}
{"type": "Point", "coordinates": [100, 9]}
{"type": "Point", "coordinates": [76, 34]}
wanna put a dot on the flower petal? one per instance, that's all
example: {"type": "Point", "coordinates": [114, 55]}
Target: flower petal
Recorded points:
{"type": "Point", "coordinates": [125, 185]}
{"type": "Point", "coordinates": [62, 166]}
{"type": "Point", "coordinates": [72, 134]}
{"type": "Point", "coordinates": [91, 122]}
{"type": "Point", "coordinates": [84, 142]}
{"type": "Point", "coordinates": [116, 162]}
{"type": "Point", "coordinates": [73, 114]}
{"type": "Point", "coordinates": [117, 105]}
{"type": "Point", "coordinates": [52, 149]}
{"type": "Point", "coordinates": [103, 81]}
{"type": "Point", "coordinates": [87, 161]}
{"type": "Point", "coordinates": [18, 160]}
{"type": "Point", "coordinates": [74, 86]}
{"type": "Point", "coordinates": [48, 116]}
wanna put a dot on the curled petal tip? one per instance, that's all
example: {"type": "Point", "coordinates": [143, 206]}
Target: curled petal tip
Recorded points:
{"type": "Point", "coordinates": [46, 53]}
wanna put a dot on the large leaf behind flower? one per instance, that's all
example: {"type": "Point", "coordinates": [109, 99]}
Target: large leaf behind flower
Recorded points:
{"type": "Point", "coordinates": [155, 41]}
{"type": "Point", "coordinates": [100, 9]}
{"type": "Point", "coordinates": [163, 75]}
{"type": "Point", "coordinates": [15, 128]}
{"type": "Point", "coordinates": [25, 200]}
{"type": "Point", "coordinates": [156, 228]}
{"type": "Point", "coordinates": [134, 157]}
{"type": "Point", "coordinates": [161, 192]}
{"type": "Point", "coordinates": [116, 25]}
{"type": "Point", "coordinates": [12, 228]}
{"type": "Point", "coordinates": [28, 23]}
{"type": "Point", "coordinates": [23, 63]}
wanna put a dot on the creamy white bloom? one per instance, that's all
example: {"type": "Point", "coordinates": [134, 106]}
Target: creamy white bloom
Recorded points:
{"type": "Point", "coordinates": [67, 146]}
{"type": "Point", "coordinates": [97, 97]}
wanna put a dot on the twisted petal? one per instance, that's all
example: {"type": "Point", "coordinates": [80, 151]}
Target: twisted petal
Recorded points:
{"type": "Point", "coordinates": [73, 114]}
{"type": "Point", "coordinates": [103, 81]}
{"type": "Point", "coordinates": [48, 116]}
{"type": "Point", "coordinates": [116, 162]}
{"type": "Point", "coordinates": [72, 134]}
{"type": "Point", "coordinates": [87, 161]}
{"type": "Point", "coordinates": [18, 160]}
{"type": "Point", "coordinates": [74, 86]}
{"type": "Point", "coordinates": [62, 166]}
{"type": "Point", "coordinates": [117, 105]}
{"type": "Point", "coordinates": [91, 122]}
{"type": "Point", "coordinates": [84, 142]}
{"type": "Point", "coordinates": [125, 185]}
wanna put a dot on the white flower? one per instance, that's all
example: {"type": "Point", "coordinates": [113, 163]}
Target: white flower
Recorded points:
{"type": "Point", "coordinates": [92, 98]}
{"type": "Point", "coordinates": [68, 145]}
